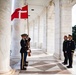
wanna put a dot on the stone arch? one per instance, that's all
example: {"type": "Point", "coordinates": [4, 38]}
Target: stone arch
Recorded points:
{"type": "Point", "coordinates": [74, 2]}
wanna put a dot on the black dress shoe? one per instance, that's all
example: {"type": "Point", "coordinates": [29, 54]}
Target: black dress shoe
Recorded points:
{"type": "Point", "coordinates": [69, 66]}
{"type": "Point", "coordinates": [24, 69]}
{"type": "Point", "coordinates": [26, 62]}
{"type": "Point", "coordinates": [64, 63]}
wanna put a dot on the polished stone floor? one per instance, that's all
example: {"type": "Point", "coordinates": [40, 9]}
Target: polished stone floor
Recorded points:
{"type": "Point", "coordinates": [43, 64]}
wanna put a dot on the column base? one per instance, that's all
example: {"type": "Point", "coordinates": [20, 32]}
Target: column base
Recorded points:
{"type": "Point", "coordinates": [56, 56]}
{"type": "Point", "coordinates": [11, 72]}
{"type": "Point", "coordinates": [15, 57]}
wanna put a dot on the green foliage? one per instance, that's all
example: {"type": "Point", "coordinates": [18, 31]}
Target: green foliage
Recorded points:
{"type": "Point", "coordinates": [74, 33]}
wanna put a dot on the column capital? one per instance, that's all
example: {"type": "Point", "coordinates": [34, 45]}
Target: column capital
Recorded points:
{"type": "Point", "coordinates": [51, 3]}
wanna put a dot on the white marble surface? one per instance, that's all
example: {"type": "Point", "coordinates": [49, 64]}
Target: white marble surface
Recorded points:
{"type": "Point", "coordinates": [44, 64]}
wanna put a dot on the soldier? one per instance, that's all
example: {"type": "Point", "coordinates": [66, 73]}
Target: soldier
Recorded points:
{"type": "Point", "coordinates": [65, 50]}
{"type": "Point", "coordinates": [23, 51]}
{"type": "Point", "coordinates": [70, 50]}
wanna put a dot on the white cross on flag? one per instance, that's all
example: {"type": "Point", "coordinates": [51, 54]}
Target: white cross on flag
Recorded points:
{"type": "Point", "coordinates": [20, 13]}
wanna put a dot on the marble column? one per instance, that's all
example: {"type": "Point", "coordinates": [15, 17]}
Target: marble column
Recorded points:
{"type": "Point", "coordinates": [44, 45]}
{"type": "Point", "coordinates": [38, 29]}
{"type": "Point", "coordinates": [50, 29]}
{"type": "Point", "coordinates": [18, 28]}
{"type": "Point", "coordinates": [41, 32]}
{"type": "Point", "coordinates": [31, 33]}
{"type": "Point", "coordinates": [34, 36]}
{"type": "Point", "coordinates": [66, 21]}
{"type": "Point", "coordinates": [5, 37]}
{"type": "Point", "coordinates": [31, 28]}
{"type": "Point", "coordinates": [36, 33]}
{"type": "Point", "coordinates": [63, 25]}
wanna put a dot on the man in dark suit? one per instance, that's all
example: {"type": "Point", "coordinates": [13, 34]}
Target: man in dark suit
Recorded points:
{"type": "Point", "coordinates": [23, 51]}
{"type": "Point", "coordinates": [65, 50]}
{"type": "Point", "coordinates": [70, 50]}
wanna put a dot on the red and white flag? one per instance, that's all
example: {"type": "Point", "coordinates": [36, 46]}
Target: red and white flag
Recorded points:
{"type": "Point", "coordinates": [20, 13]}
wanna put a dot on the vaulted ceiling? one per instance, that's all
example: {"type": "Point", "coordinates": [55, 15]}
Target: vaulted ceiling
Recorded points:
{"type": "Point", "coordinates": [38, 6]}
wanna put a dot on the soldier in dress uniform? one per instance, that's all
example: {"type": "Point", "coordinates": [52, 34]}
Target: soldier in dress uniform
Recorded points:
{"type": "Point", "coordinates": [70, 50]}
{"type": "Point", "coordinates": [23, 51]}
{"type": "Point", "coordinates": [65, 50]}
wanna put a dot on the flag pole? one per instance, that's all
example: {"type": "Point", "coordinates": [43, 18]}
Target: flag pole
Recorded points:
{"type": "Point", "coordinates": [27, 24]}
{"type": "Point", "coordinates": [28, 27]}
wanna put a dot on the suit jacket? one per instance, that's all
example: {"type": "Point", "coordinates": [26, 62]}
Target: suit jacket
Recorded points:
{"type": "Point", "coordinates": [65, 45]}
{"type": "Point", "coordinates": [71, 46]}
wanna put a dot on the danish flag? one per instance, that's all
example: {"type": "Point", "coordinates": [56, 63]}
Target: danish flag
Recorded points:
{"type": "Point", "coordinates": [20, 13]}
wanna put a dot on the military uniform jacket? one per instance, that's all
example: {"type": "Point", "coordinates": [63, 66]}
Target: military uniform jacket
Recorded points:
{"type": "Point", "coordinates": [65, 45]}
{"type": "Point", "coordinates": [24, 47]}
{"type": "Point", "coordinates": [71, 46]}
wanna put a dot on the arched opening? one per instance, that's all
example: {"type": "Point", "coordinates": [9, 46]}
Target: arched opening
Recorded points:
{"type": "Point", "coordinates": [74, 23]}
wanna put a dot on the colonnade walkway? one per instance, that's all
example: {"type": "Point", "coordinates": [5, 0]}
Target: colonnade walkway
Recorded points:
{"type": "Point", "coordinates": [41, 63]}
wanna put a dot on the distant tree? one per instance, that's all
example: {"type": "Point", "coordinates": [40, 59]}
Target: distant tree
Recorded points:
{"type": "Point", "coordinates": [74, 33]}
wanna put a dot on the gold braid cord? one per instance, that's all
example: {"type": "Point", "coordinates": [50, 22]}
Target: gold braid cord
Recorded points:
{"type": "Point", "coordinates": [23, 61]}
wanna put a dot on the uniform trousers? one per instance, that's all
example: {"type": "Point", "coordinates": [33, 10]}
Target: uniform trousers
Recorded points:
{"type": "Point", "coordinates": [70, 57]}
{"type": "Point", "coordinates": [23, 60]}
